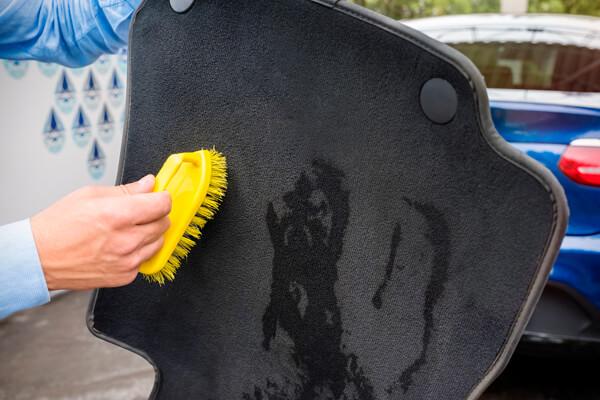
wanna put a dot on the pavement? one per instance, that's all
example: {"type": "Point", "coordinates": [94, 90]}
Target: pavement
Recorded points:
{"type": "Point", "coordinates": [47, 353]}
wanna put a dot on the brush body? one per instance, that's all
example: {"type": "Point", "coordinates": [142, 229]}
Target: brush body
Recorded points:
{"type": "Point", "coordinates": [196, 182]}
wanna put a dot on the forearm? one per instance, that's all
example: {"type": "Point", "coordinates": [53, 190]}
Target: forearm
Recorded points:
{"type": "Point", "coordinates": [22, 282]}
{"type": "Point", "coordinates": [69, 32]}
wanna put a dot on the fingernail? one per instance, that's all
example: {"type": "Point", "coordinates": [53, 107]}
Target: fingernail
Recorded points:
{"type": "Point", "coordinates": [147, 180]}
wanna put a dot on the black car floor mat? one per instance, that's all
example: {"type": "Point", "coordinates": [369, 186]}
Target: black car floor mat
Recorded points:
{"type": "Point", "coordinates": [378, 240]}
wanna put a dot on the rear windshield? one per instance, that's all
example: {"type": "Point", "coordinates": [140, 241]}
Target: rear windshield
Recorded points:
{"type": "Point", "coordinates": [535, 66]}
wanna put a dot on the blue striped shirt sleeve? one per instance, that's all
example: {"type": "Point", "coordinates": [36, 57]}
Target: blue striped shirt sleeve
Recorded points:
{"type": "Point", "coordinates": [22, 282]}
{"type": "Point", "coordinates": [69, 32]}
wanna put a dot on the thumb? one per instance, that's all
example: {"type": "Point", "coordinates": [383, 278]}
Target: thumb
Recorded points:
{"type": "Point", "coordinates": [144, 185]}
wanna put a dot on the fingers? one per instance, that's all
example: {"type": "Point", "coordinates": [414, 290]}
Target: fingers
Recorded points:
{"type": "Point", "coordinates": [147, 251]}
{"type": "Point", "coordinates": [131, 204]}
{"type": "Point", "coordinates": [134, 261]}
{"type": "Point", "coordinates": [144, 185]}
{"type": "Point", "coordinates": [146, 208]}
{"type": "Point", "coordinates": [152, 231]}
{"type": "Point", "coordinates": [151, 238]}
{"type": "Point", "coordinates": [138, 209]}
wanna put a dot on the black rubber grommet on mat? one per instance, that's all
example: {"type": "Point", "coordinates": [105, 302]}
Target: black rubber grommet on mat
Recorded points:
{"type": "Point", "coordinates": [438, 100]}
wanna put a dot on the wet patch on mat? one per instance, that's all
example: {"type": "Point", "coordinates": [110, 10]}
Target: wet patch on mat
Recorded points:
{"type": "Point", "coordinates": [304, 312]}
{"type": "Point", "coordinates": [307, 238]}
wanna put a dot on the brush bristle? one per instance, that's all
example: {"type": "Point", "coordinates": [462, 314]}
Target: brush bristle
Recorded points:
{"type": "Point", "coordinates": [206, 212]}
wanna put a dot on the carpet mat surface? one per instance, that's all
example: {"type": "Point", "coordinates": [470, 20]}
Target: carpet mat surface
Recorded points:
{"type": "Point", "coordinates": [378, 240]}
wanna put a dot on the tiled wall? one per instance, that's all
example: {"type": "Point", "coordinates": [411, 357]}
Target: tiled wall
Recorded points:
{"type": "Point", "coordinates": [60, 129]}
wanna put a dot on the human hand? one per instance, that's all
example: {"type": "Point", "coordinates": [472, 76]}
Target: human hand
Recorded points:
{"type": "Point", "coordinates": [98, 236]}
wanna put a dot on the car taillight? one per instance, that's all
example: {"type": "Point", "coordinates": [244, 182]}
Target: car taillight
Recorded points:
{"type": "Point", "coordinates": [581, 161]}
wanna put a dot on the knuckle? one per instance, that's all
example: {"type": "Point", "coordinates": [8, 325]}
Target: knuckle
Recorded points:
{"type": "Point", "coordinates": [134, 261]}
{"type": "Point", "coordinates": [124, 247]}
{"type": "Point", "coordinates": [117, 216]}
{"type": "Point", "coordinates": [131, 246]}
{"type": "Point", "coordinates": [108, 213]}
{"type": "Point", "coordinates": [107, 218]}
{"type": "Point", "coordinates": [127, 264]}
{"type": "Point", "coordinates": [113, 252]}
{"type": "Point", "coordinates": [124, 189]}
{"type": "Point", "coordinates": [97, 216]}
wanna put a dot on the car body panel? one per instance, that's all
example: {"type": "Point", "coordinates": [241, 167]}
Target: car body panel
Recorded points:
{"type": "Point", "coordinates": [578, 266]}
{"type": "Point", "coordinates": [542, 124]}
{"type": "Point", "coordinates": [584, 201]}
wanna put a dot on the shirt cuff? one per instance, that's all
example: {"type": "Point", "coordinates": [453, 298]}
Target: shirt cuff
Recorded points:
{"type": "Point", "coordinates": [22, 282]}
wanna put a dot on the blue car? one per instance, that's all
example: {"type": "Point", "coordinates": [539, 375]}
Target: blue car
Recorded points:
{"type": "Point", "coordinates": [543, 75]}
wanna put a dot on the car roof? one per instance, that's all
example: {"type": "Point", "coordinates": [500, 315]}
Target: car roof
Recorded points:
{"type": "Point", "coordinates": [582, 31]}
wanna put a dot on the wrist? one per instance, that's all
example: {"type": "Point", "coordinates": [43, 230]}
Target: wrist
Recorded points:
{"type": "Point", "coordinates": [39, 239]}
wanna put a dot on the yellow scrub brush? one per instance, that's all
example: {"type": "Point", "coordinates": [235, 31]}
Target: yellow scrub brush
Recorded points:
{"type": "Point", "coordinates": [197, 182]}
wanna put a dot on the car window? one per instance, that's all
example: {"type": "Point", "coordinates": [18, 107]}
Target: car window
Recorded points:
{"type": "Point", "coordinates": [535, 66]}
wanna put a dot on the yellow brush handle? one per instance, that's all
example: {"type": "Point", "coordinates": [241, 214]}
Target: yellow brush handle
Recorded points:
{"type": "Point", "coordinates": [186, 176]}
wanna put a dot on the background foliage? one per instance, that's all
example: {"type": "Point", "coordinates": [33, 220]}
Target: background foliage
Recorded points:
{"type": "Point", "coordinates": [404, 9]}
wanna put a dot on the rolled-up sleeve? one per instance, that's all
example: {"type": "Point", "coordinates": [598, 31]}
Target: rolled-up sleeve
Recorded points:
{"type": "Point", "coordinates": [22, 282]}
{"type": "Point", "coordinates": [68, 32]}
